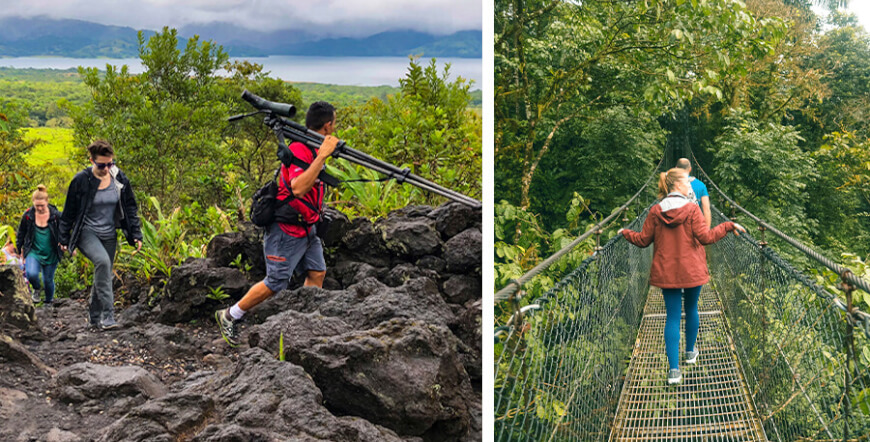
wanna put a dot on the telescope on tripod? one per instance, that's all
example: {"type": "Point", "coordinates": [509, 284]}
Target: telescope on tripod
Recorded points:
{"type": "Point", "coordinates": [277, 118]}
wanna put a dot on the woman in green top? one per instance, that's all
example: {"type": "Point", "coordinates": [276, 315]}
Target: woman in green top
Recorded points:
{"type": "Point", "coordinates": [37, 240]}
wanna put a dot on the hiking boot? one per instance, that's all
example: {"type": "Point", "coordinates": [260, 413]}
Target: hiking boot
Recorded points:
{"type": "Point", "coordinates": [229, 329]}
{"type": "Point", "coordinates": [674, 376]}
{"type": "Point", "coordinates": [36, 295]}
{"type": "Point", "coordinates": [692, 356]}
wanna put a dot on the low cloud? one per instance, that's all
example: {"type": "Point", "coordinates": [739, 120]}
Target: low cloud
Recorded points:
{"type": "Point", "coordinates": [333, 18]}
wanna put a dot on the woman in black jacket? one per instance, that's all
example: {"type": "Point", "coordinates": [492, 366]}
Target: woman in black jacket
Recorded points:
{"type": "Point", "coordinates": [37, 241]}
{"type": "Point", "coordinates": [99, 201]}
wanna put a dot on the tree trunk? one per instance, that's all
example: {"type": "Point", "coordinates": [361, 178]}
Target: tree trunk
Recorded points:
{"type": "Point", "coordinates": [529, 169]}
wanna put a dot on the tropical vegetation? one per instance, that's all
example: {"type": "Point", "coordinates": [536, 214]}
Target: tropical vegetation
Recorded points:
{"type": "Point", "coordinates": [192, 171]}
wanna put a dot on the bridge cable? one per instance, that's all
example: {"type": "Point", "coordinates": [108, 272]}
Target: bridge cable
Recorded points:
{"type": "Point", "coordinates": [844, 272]}
{"type": "Point", "coordinates": [854, 316]}
{"type": "Point", "coordinates": [507, 292]}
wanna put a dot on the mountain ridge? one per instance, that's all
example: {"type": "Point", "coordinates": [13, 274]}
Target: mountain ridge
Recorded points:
{"type": "Point", "coordinates": [43, 36]}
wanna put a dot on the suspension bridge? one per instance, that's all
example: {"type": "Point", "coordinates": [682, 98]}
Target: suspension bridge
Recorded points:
{"type": "Point", "coordinates": [781, 358]}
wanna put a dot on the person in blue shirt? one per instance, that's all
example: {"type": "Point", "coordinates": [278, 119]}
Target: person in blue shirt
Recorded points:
{"type": "Point", "coordinates": [699, 190]}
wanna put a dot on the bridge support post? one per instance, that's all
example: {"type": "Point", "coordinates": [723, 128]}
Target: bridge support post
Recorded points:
{"type": "Point", "coordinates": [764, 344]}
{"type": "Point", "coordinates": [518, 312]}
{"type": "Point", "coordinates": [849, 343]}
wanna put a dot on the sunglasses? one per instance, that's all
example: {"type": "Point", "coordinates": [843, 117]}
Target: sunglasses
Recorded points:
{"type": "Point", "coordinates": [102, 166]}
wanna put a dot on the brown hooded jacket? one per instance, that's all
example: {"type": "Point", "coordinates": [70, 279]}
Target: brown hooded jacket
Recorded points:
{"type": "Point", "coordinates": [680, 232]}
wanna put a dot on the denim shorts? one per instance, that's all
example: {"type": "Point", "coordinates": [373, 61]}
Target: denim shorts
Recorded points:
{"type": "Point", "coordinates": [285, 253]}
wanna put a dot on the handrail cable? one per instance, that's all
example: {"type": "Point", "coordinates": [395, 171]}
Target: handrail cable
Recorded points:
{"type": "Point", "coordinates": [514, 286]}
{"type": "Point", "coordinates": [844, 272]}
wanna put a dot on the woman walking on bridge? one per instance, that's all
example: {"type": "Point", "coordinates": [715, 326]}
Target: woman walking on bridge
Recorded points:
{"type": "Point", "coordinates": [679, 265]}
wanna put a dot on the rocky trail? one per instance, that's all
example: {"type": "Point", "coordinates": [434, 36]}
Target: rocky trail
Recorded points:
{"type": "Point", "coordinates": [388, 350]}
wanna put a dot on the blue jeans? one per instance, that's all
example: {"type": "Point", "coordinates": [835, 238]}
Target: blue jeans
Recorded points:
{"type": "Point", "coordinates": [672, 325]}
{"type": "Point", "coordinates": [32, 269]}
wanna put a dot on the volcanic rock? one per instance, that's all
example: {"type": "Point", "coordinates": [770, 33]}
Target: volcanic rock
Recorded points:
{"type": "Point", "coordinates": [16, 308]}
{"type": "Point", "coordinates": [463, 252]}
{"type": "Point", "coordinates": [187, 294]}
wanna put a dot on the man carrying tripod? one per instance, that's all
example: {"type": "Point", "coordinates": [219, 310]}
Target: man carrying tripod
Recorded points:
{"type": "Point", "coordinates": [292, 246]}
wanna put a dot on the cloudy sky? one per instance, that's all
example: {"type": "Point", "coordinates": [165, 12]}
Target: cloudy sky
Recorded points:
{"type": "Point", "coordinates": [861, 8]}
{"type": "Point", "coordinates": [353, 18]}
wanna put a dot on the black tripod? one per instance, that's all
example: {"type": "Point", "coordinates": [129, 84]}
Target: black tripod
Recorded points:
{"type": "Point", "coordinates": [284, 128]}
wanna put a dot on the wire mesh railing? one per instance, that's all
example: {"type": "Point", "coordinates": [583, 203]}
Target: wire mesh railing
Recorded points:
{"type": "Point", "coordinates": [559, 373]}
{"type": "Point", "coordinates": [792, 337]}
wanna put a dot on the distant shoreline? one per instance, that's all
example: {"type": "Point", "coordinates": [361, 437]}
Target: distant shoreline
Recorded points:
{"type": "Point", "coordinates": [421, 56]}
{"type": "Point", "coordinates": [341, 71]}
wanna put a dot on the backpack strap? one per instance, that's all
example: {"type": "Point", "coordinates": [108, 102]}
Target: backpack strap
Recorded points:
{"type": "Point", "coordinates": [287, 158]}
{"type": "Point", "coordinates": [293, 196]}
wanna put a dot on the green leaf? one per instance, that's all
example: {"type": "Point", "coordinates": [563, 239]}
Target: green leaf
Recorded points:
{"type": "Point", "coordinates": [863, 400]}
{"type": "Point", "coordinates": [559, 408]}
{"type": "Point", "coordinates": [540, 411]}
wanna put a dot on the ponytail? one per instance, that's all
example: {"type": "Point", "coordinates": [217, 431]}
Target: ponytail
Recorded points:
{"type": "Point", "coordinates": [663, 185]}
{"type": "Point", "coordinates": [668, 179]}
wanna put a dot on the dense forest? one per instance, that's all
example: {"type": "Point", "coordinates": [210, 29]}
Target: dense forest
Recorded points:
{"type": "Point", "coordinates": [770, 97]}
{"type": "Point", "coordinates": [193, 172]}
{"type": "Point", "coordinates": [40, 91]}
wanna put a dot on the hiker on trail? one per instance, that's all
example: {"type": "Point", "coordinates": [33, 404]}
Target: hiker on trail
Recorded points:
{"type": "Point", "coordinates": [38, 239]}
{"type": "Point", "coordinates": [699, 190]}
{"type": "Point", "coordinates": [10, 257]}
{"type": "Point", "coordinates": [679, 264]}
{"type": "Point", "coordinates": [100, 200]}
{"type": "Point", "coordinates": [290, 247]}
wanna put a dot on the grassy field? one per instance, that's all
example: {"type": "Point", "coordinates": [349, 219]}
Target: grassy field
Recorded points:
{"type": "Point", "coordinates": [53, 145]}
{"type": "Point", "coordinates": [51, 156]}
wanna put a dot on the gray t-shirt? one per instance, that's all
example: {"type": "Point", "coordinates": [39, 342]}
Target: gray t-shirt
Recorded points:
{"type": "Point", "coordinates": [100, 218]}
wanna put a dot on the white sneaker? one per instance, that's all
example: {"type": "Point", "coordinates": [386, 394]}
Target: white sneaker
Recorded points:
{"type": "Point", "coordinates": [36, 295]}
{"type": "Point", "coordinates": [674, 376]}
{"type": "Point", "coordinates": [692, 356]}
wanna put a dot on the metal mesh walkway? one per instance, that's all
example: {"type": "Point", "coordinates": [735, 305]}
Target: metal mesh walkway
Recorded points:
{"type": "Point", "coordinates": [712, 402]}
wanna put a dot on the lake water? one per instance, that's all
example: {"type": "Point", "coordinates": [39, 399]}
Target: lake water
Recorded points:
{"type": "Point", "coordinates": [357, 71]}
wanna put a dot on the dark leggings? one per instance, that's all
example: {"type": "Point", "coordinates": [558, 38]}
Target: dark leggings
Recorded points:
{"type": "Point", "coordinates": [672, 326]}
{"type": "Point", "coordinates": [101, 252]}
